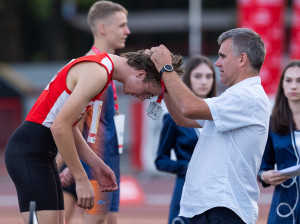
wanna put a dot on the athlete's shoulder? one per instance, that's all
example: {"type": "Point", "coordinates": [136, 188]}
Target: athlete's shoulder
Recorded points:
{"type": "Point", "coordinates": [102, 59]}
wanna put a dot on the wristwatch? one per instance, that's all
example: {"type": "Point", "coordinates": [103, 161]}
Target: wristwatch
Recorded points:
{"type": "Point", "coordinates": [166, 68]}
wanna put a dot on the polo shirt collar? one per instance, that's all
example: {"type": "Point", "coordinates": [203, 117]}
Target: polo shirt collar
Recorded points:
{"type": "Point", "coordinates": [247, 82]}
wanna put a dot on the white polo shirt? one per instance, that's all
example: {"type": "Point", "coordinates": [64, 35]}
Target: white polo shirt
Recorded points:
{"type": "Point", "coordinates": [223, 168]}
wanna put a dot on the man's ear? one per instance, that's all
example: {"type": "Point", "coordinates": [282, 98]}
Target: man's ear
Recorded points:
{"type": "Point", "coordinates": [243, 59]}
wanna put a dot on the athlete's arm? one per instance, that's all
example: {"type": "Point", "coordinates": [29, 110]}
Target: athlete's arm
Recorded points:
{"type": "Point", "coordinates": [85, 80]}
{"type": "Point", "coordinates": [103, 174]}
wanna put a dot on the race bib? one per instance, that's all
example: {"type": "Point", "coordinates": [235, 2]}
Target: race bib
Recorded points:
{"type": "Point", "coordinates": [120, 124]}
{"type": "Point", "coordinates": [97, 107]}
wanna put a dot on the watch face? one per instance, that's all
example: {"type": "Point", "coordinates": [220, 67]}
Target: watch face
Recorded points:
{"type": "Point", "coordinates": [168, 68]}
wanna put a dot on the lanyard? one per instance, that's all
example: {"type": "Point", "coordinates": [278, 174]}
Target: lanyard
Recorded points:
{"type": "Point", "coordinates": [96, 50]}
{"type": "Point", "coordinates": [154, 109]}
{"type": "Point", "coordinates": [163, 90]}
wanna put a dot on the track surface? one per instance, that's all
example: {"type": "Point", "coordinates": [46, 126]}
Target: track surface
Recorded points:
{"type": "Point", "coordinates": [153, 209]}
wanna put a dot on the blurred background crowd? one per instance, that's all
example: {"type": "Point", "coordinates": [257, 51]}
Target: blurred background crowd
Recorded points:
{"type": "Point", "coordinates": [38, 37]}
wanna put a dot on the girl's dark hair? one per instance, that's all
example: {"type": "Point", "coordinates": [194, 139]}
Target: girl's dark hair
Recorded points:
{"type": "Point", "coordinates": [191, 64]}
{"type": "Point", "coordinates": [282, 117]}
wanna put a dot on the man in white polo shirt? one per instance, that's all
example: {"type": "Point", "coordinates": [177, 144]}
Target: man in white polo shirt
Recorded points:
{"type": "Point", "coordinates": [221, 182]}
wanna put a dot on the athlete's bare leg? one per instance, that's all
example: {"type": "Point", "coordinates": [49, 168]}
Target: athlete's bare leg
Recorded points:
{"type": "Point", "coordinates": [47, 217]}
{"type": "Point", "coordinates": [70, 203]}
{"type": "Point", "coordinates": [94, 218]}
{"type": "Point", "coordinates": [112, 218]}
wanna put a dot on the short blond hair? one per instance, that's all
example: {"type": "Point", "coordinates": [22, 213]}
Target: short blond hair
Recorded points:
{"type": "Point", "coordinates": [102, 10]}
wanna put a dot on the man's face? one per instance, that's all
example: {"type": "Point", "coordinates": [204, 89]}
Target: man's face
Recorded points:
{"type": "Point", "coordinates": [227, 63]}
{"type": "Point", "coordinates": [135, 86]}
{"type": "Point", "coordinates": [117, 30]}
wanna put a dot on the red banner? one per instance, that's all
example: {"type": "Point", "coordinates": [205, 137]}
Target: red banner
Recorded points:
{"type": "Point", "coordinates": [266, 17]}
{"type": "Point", "coordinates": [295, 31]}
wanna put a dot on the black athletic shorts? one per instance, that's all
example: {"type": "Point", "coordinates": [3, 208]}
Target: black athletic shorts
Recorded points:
{"type": "Point", "coordinates": [30, 161]}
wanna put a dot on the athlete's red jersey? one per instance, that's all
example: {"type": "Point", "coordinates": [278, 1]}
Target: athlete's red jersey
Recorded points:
{"type": "Point", "coordinates": [56, 93]}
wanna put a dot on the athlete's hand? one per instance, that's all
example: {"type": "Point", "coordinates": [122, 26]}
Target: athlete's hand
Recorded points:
{"type": "Point", "coordinates": [273, 177]}
{"type": "Point", "coordinates": [105, 177]}
{"type": "Point", "coordinates": [66, 177]}
{"type": "Point", "coordinates": [85, 193]}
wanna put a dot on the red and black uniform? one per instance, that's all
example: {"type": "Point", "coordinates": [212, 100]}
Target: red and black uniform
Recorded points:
{"type": "Point", "coordinates": [56, 93]}
{"type": "Point", "coordinates": [30, 152]}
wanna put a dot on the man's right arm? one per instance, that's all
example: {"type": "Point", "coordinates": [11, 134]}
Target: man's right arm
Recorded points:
{"type": "Point", "coordinates": [182, 98]}
{"type": "Point", "coordinates": [177, 115]}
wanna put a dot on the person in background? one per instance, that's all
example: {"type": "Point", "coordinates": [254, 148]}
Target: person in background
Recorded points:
{"type": "Point", "coordinates": [220, 185]}
{"type": "Point", "coordinates": [283, 148]}
{"type": "Point", "coordinates": [108, 23]}
{"type": "Point", "coordinates": [200, 77]}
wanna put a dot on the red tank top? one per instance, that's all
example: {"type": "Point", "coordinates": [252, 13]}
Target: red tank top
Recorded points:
{"type": "Point", "coordinates": [56, 93]}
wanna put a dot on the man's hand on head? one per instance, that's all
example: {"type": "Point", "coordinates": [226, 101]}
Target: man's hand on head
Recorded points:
{"type": "Point", "coordinates": [161, 56]}
{"type": "Point", "coordinates": [148, 51]}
